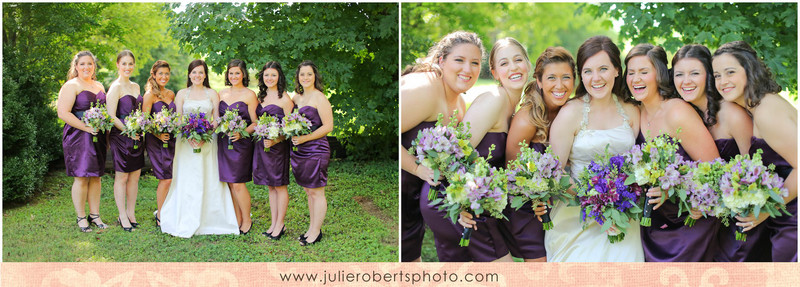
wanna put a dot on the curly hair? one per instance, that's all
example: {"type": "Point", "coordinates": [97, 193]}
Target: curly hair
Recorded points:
{"type": "Point", "coordinates": [759, 76]}
{"type": "Point", "coordinates": [442, 49]}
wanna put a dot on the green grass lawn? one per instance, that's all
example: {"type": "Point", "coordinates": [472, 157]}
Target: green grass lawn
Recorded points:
{"type": "Point", "coordinates": [361, 224]}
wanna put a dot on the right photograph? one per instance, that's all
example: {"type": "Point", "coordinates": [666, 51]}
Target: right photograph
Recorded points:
{"type": "Point", "coordinates": [612, 132]}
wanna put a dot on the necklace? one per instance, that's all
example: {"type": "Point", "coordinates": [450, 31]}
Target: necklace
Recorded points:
{"type": "Point", "coordinates": [650, 118]}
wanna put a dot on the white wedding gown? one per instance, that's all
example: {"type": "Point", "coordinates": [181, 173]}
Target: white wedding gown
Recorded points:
{"type": "Point", "coordinates": [197, 202]}
{"type": "Point", "coordinates": [568, 241]}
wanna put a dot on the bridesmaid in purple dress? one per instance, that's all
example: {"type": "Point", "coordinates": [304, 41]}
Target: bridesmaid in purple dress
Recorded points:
{"type": "Point", "coordinates": [235, 165]}
{"type": "Point", "coordinates": [429, 89]}
{"type": "Point", "coordinates": [742, 78]}
{"type": "Point", "coordinates": [668, 239]}
{"type": "Point", "coordinates": [554, 80]}
{"type": "Point", "coordinates": [84, 159]}
{"type": "Point", "coordinates": [730, 126]}
{"type": "Point", "coordinates": [271, 168]}
{"type": "Point", "coordinates": [123, 99]}
{"type": "Point", "coordinates": [310, 160]}
{"type": "Point", "coordinates": [156, 98]}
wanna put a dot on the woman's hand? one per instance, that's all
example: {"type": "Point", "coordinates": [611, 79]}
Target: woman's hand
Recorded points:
{"type": "Point", "coordinates": [298, 140]}
{"type": "Point", "coordinates": [163, 137]}
{"type": "Point", "coordinates": [90, 130]}
{"type": "Point", "coordinates": [269, 143]}
{"type": "Point", "coordinates": [655, 196]}
{"type": "Point", "coordinates": [196, 143]}
{"type": "Point", "coordinates": [465, 219]}
{"type": "Point", "coordinates": [235, 136]}
{"type": "Point", "coordinates": [695, 214]}
{"type": "Point", "coordinates": [540, 210]}
{"type": "Point", "coordinates": [426, 174]}
{"type": "Point", "coordinates": [136, 137]}
{"type": "Point", "coordinates": [751, 221]}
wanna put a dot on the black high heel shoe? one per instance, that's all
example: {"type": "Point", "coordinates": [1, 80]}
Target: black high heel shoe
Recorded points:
{"type": "Point", "coordinates": [134, 224]}
{"type": "Point", "coordinates": [248, 230]}
{"type": "Point", "coordinates": [276, 237]}
{"type": "Point", "coordinates": [128, 229]}
{"type": "Point", "coordinates": [158, 220]}
{"type": "Point", "coordinates": [304, 241]}
{"type": "Point", "coordinates": [88, 225]}
{"type": "Point", "coordinates": [93, 217]}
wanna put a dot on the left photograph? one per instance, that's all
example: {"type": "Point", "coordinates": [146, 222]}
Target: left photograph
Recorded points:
{"type": "Point", "coordinates": [200, 132]}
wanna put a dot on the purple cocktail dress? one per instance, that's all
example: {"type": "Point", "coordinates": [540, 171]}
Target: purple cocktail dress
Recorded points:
{"type": "Point", "coordinates": [523, 231]}
{"type": "Point", "coordinates": [235, 165]}
{"type": "Point", "coordinates": [413, 226]}
{"type": "Point", "coordinates": [160, 157]}
{"type": "Point", "coordinates": [271, 168]}
{"type": "Point", "coordinates": [126, 158]}
{"type": "Point", "coordinates": [669, 240]}
{"type": "Point", "coordinates": [310, 160]}
{"type": "Point", "coordinates": [487, 243]}
{"type": "Point", "coordinates": [82, 156]}
{"type": "Point", "coordinates": [782, 230]}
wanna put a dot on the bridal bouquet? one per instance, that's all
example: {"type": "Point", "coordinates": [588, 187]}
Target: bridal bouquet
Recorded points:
{"type": "Point", "coordinates": [268, 127]}
{"type": "Point", "coordinates": [605, 198]}
{"type": "Point", "coordinates": [701, 190]}
{"type": "Point", "coordinates": [748, 187]}
{"type": "Point", "coordinates": [647, 163]}
{"type": "Point", "coordinates": [96, 117]}
{"type": "Point", "coordinates": [478, 189]}
{"type": "Point", "coordinates": [197, 127]}
{"type": "Point", "coordinates": [295, 124]}
{"type": "Point", "coordinates": [231, 122]}
{"type": "Point", "coordinates": [537, 177]}
{"type": "Point", "coordinates": [164, 122]}
{"type": "Point", "coordinates": [445, 149]}
{"type": "Point", "coordinates": [135, 125]}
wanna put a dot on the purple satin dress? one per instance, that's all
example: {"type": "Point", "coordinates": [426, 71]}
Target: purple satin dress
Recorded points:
{"type": "Point", "coordinates": [235, 165]}
{"type": "Point", "coordinates": [782, 230]}
{"type": "Point", "coordinates": [413, 226]}
{"type": "Point", "coordinates": [757, 246]}
{"type": "Point", "coordinates": [669, 240]}
{"type": "Point", "coordinates": [523, 231]}
{"type": "Point", "coordinates": [271, 168]}
{"type": "Point", "coordinates": [310, 160]}
{"type": "Point", "coordinates": [160, 157]}
{"type": "Point", "coordinates": [487, 243]}
{"type": "Point", "coordinates": [82, 156]}
{"type": "Point", "coordinates": [126, 158]}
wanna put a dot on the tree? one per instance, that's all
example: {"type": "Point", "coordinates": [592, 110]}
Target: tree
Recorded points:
{"type": "Point", "coordinates": [770, 28]}
{"type": "Point", "coordinates": [353, 44]}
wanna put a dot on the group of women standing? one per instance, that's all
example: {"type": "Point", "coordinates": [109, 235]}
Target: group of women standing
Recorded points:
{"type": "Point", "coordinates": [717, 105]}
{"type": "Point", "coordinates": [197, 193]}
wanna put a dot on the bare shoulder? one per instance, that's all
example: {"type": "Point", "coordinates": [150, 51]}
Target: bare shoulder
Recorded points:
{"type": "Point", "coordinates": [730, 112]}
{"type": "Point", "coordinates": [420, 88]}
{"type": "Point", "coordinates": [773, 106]}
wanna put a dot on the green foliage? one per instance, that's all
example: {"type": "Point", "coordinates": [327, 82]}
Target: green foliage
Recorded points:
{"type": "Point", "coordinates": [770, 28]}
{"type": "Point", "coordinates": [354, 45]}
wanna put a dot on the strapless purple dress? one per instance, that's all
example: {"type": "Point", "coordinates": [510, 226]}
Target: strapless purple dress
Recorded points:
{"type": "Point", "coordinates": [235, 165]}
{"type": "Point", "coordinates": [310, 160]}
{"type": "Point", "coordinates": [126, 158]}
{"type": "Point", "coordinates": [782, 230]}
{"type": "Point", "coordinates": [487, 243]}
{"type": "Point", "coordinates": [271, 168]}
{"type": "Point", "coordinates": [523, 231]}
{"type": "Point", "coordinates": [669, 240]}
{"type": "Point", "coordinates": [160, 157]}
{"type": "Point", "coordinates": [82, 156]}
{"type": "Point", "coordinates": [413, 226]}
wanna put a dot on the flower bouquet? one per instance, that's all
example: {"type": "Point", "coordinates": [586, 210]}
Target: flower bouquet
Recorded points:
{"type": "Point", "coordinates": [748, 187]}
{"type": "Point", "coordinates": [645, 164]}
{"type": "Point", "coordinates": [295, 124]}
{"type": "Point", "coordinates": [268, 127]}
{"type": "Point", "coordinates": [164, 122]}
{"type": "Point", "coordinates": [444, 149]}
{"type": "Point", "coordinates": [477, 189]}
{"type": "Point", "coordinates": [231, 122]}
{"type": "Point", "coordinates": [604, 197]}
{"type": "Point", "coordinates": [96, 117]}
{"type": "Point", "coordinates": [537, 177]}
{"type": "Point", "coordinates": [135, 125]}
{"type": "Point", "coordinates": [701, 189]}
{"type": "Point", "coordinates": [197, 127]}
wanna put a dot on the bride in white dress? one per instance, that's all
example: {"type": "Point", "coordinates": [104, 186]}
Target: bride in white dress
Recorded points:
{"type": "Point", "coordinates": [197, 202]}
{"type": "Point", "coordinates": [594, 119]}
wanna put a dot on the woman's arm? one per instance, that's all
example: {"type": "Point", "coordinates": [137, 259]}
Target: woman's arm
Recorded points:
{"type": "Point", "coordinates": [112, 100]}
{"type": "Point", "coordinates": [325, 114]}
{"type": "Point", "coordinates": [418, 103]}
{"type": "Point", "coordinates": [482, 115]}
{"type": "Point", "coordinates": [739, 125]}
{"type": "Point", "coordinates": [64, 103]}
{"type": "Point", "coordinates": [694, 136]}
{"type": "Point", "coordinates": [252, 105]}
{"type": "Point", "coordinates": [520, 131]}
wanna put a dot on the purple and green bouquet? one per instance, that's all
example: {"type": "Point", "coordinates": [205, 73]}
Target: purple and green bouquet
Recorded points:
{"type": "Point", "coordinates": [97, 118]}
{"type": "Point", "coordinates": [605, 198]}
{"type": "Point", "coordinates": [701, 189]}
{"type": "Point", "coordinates": [135, 126]}
{"type": "Point", "coordinates": [445, 149]}
{"type": "Point", "coordinates": [647, 163]}
{"type": "Point", "coordinates": [165, 122]}
{"type": "Point", "coordinates": [198, 127]}
{"type": "Point", "coordinates": [295, 124]}
{"type": "Point", "coordinates": [536, 177]}
{"type": "Point", "coordinates": [477, 189]}
{"type": "Point", "coordinates": [268, 127]}
{"type": "Point", "coordinates": [231, 122]}
{"type": "Point", "coordinates": [749, 187]}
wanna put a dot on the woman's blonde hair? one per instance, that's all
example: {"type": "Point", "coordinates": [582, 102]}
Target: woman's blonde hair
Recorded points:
{"type": "Point", "coordinates": [442, 49]}
{"type": "Point", "coordinates": [73, 69]}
